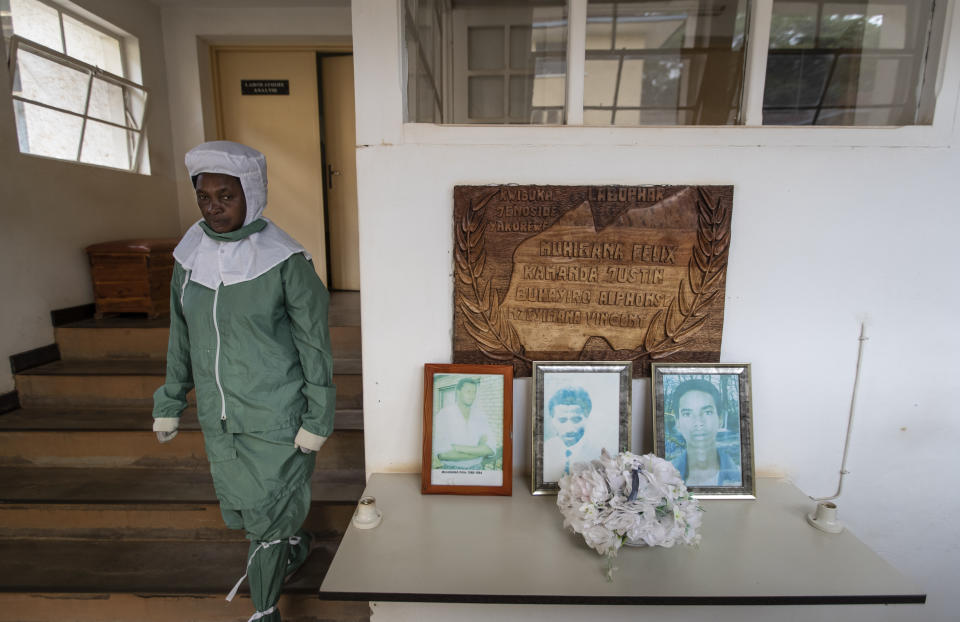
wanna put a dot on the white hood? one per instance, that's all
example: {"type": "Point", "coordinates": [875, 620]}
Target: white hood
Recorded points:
{"type": "Point", "coordinates": [211, 262]}
{"type": "Point", "coordinates": [236, 160]}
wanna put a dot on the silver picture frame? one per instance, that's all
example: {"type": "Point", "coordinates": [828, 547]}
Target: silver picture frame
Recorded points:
{"type": "Point", "coordinates": [578, 408]}
{"type": "Point", "coordinates": [707, 406]}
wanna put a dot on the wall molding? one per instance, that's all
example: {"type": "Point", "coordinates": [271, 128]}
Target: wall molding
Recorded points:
{"type": "Point", "coordinates": [9, 401]}
{"type": "Point", "coordinates": [59, 317]}
{"type": "Point", "coordinates": [34, 358]}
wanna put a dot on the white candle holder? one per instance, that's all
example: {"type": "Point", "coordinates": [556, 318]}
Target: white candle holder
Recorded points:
{"type": "Point", "coordinates": [824, 517]}
{"type": "Point", "coordinates": [367, 516]}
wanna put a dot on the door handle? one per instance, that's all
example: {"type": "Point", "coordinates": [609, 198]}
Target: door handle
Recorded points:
{"type": "Point", "coordinates": [330, 174]}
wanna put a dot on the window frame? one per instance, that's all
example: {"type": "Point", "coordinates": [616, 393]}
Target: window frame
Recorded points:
{"type": "Point", "coordinates": [461, 72]}
{"type": "Point", "coordinates": [17, 42]}
{"type": "Point", "coordinates": [942, 90]}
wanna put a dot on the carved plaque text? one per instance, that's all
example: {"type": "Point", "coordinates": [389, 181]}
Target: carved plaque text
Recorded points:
{"type": "Point", "coordinates": [547, 273]}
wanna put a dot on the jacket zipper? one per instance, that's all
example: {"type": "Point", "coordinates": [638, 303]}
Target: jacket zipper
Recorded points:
{"type": "Point", "coordinates": [216, 361]}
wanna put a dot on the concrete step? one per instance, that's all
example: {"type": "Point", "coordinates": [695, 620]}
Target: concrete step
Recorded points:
{"type": "Point", "coordinates": [343, 451]}
{"type": "Point", "coordinates": [145, 521]}
{"type": "Point", "coordinates": [120, 383]}
{"type": "Point", "coordinates": [132, 485]}
{"type": "Point", "coordinates": [146, 607]}
{"type": "Point", "coordinates": [135, 338]}
{"type": "Point", "coordinates": [123, 419]}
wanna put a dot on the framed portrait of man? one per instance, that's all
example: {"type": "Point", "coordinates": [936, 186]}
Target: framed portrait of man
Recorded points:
{"type": "Point", "coordinates": [703, 424]}
{"type": "Point", "coordinates": [579, 409]}
{"type": "Point", "coordinates": [467, 429]}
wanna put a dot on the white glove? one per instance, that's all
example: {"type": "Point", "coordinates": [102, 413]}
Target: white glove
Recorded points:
{"type": "Point", "coordinates": [166, 437]}
{"type": "Point", "coordinates": [166, 428]}
{"type": "Point", "coordinates": [307, 442]}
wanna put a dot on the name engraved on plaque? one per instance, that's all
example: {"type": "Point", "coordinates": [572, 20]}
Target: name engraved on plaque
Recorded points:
{"type": "Point", "coordinates": [590, 273]}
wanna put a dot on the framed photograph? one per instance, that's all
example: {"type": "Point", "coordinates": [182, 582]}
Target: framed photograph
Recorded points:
{"type": "Point", "coordinates": [467, 429]}
{"type": "Point", "coordinates": [579, 408]}
{"type": "Point", "coordinates": [703, 424]}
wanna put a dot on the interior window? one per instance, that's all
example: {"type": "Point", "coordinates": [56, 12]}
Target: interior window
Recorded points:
{"type": "Point", "coordinates": [71, 95]}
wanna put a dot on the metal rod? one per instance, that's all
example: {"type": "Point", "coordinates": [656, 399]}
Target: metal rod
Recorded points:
{"type": "Point", "coordinates": [853, 404]}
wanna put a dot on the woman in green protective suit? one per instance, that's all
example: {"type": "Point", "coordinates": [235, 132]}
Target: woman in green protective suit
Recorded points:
{"type": "Point", "coordinates": [248, 330]}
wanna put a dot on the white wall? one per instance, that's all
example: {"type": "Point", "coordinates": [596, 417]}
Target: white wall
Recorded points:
{"type": "Point", "coordinates": [829, 227]}
{"type": "Point", "coordinates": [188, 33]}
{"type": "Point", "coordinates": [51, 210]}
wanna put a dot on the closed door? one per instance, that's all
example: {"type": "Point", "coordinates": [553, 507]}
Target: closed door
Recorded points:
{"type": "Point", "coordinates": [340, 138]}
{"type": "Point", "coordinates": [286, 129]}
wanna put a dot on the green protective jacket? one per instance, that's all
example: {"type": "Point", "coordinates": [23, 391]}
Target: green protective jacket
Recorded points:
{"type": "Point", "coordinates": [258, 354]}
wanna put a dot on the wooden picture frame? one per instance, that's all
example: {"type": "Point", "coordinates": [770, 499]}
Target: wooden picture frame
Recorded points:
{"type": "Point", "coordinates": [579, 408]}
{"type": "Point", "coordinates": [708, 405]}
{"type": "Point", "coordinates": [454, 396]}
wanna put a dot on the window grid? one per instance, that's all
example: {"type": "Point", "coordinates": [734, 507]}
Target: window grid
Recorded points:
{"type": "Point", "coordinates": [903, 60]}
{"type": "Point", "coordinates": [694, 60]}
{"type": "Point", "coordinates": [910, 99]}
{"type": "Point", "coordinates": [506, 73]}
{"type": "Point", "coordinates": [133, 129]}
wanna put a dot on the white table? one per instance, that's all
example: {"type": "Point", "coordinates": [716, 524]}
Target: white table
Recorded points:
{"type": "Point", "coordinates": [513, 550]}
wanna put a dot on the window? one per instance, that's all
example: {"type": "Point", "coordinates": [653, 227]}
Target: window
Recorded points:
{"type": "Point", "coordinates": [509, 65]}
{"type": "Point", "coordinates": [847, 63]}
{"type": "Point", "coordinates": [424, 40]}
{"type": "Point", "coordinates": [672, 62]}
{"type": "Point", "coordinates": [71, 96]}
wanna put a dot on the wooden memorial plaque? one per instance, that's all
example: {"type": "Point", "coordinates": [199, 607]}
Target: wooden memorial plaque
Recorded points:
{"type": "Point", "coordinates": [554, 273]}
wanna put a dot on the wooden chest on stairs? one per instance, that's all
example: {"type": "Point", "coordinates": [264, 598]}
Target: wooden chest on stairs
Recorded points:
{"type": "Point", "coordinates": [132, 276]}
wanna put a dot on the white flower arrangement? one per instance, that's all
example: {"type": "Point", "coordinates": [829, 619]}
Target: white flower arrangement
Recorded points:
{"type": "Point", "coordinates": [638, 500]}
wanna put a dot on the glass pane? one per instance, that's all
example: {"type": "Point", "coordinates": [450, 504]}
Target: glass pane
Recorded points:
{"type": "Point", "coordinates": [795, 79]}
{"type": "Point", "coordinates": [592, 116]}
{"type": "Point", "coordinates": [891, 21]}
{"type": "Point", "coordinates": [865, 82]}
{"type": "Point", "coordinates": [136, 106]}
{"type": "Point", "coordinates": [547, 116]}
{"type": "Point", "coordinates": [627, 117]}
{"type": "Point", "coordinates": [665, 84]}
{"type": "Point", "coordinates": [92, 46]}
{"type": "Point", "coordinates": [549, 82]}
{"type": "Point", "coordinates": [599, 82]}
{"type": "Point", "coordinates": [862, 63]}
{"type": "Point", "coordinates": [106, 145]}
{"type": "Point", "coordinates": [36, 21]}
{"type": "Point", "coordinates": [47, 132]}
{"type": "Point", "coordinates": [485, 95]}
{"type": "Point", "coordinates": [549, 29]}
{"type": "Point", "coordinates": [644, 27]}
{"type": "Point", "coordinates": [509, 61]}
{"type": "Point", "coordinates": [843, 25]}
{"type": "Point", "coordinates": [51, 83]}
{"type": "Point", "coordinates": [485, 48]}
{"type": "Point", "coordinates": [106, 102]}
{"type": "Point", "coordinates": [794, 25]}
{"type": "Point", "coordinates": [426, 102]}
{"type": "Point", "coordinates": [422, 44]}
{"type": "Point", "coordinates": [666, 117]}
{"type": "Point", "coordinates": [520, 47]}
{"type": "Point", "coordinates": [600, 27]}
{"type": "Point", "coordinates": [521, 95]}
{"type": "Point", "coordinates": [788, 117]}
{"type": "Point", "coordinates": [631, 83]}
{"type": "Point", "coordinates": [665, 57]}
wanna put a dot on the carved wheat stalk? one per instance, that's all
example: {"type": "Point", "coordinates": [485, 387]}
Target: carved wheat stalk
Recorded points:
{"type": "Point", "coordinates": [483, 318]}
{"type": "Point", "coordinates": [668, 331]}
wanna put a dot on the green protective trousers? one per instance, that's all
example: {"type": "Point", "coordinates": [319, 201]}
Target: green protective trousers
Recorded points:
{"type": "Point", "coordinates": [278, 547]}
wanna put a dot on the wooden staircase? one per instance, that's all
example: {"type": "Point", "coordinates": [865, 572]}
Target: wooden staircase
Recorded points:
{"type": "Point", "coordinates": [100, 522]}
